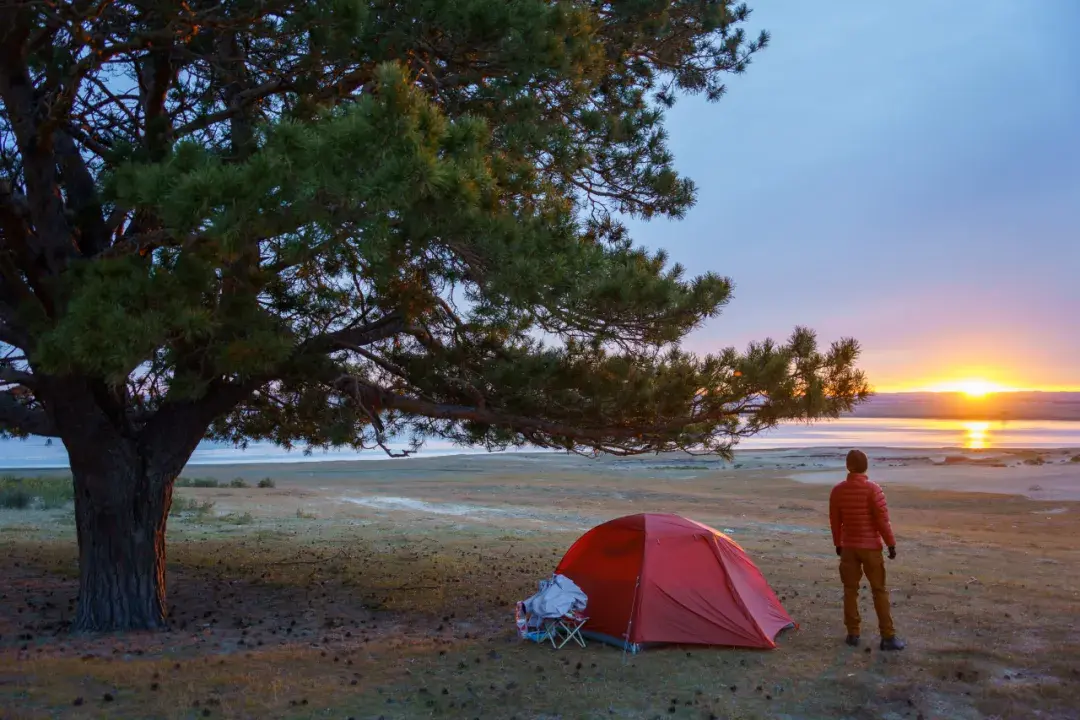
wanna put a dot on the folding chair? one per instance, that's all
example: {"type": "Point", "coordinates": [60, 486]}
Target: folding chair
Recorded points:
{"type": "Point", "coordinates": [567, 628]}
{"type": "Point", "coordinates": [555, 594]}
{"type": "Point", "coordinates": [558, 631]}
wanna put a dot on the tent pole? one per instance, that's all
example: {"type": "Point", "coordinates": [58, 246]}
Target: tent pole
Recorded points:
{"type": "Point", "coordinates": [630, 622]}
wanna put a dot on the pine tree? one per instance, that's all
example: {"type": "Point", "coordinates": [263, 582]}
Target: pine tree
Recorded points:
{"type": "Point", "coordinates": [356, 223]}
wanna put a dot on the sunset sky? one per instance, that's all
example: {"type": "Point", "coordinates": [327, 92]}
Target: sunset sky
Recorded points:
{"type": "Point", "coordinates": [905, 174]}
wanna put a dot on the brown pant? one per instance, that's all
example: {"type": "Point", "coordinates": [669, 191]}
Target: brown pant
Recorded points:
{"type": "Point", "coordinates": [854, 562]}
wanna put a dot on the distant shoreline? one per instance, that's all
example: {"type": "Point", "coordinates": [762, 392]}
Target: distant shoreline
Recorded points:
{"type": "Point", "coordinates": [893, 434]}
{"type": "Point", "coordinates": [1020, 406]}
{"type": "Point", "coordinates": [319, 464]}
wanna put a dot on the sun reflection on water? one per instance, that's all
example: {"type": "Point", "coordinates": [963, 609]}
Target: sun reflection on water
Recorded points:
{"type": "Point", "coordinates": [976, 435]}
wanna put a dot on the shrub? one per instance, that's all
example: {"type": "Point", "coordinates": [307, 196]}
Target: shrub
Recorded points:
{"type": "Point", "coordinates": [14, 499]}
{"type": "Point", "coordinates": [190, 506]}
{"type": "Point", "coordinates": [49, 492]}
{"type": "Point", "coordinates": [269, 482]}
{"type": "Point", "coordinates": [239, 519]}
{"type": "Point", "coordinates": [238, 483]}
{"type": "Point", "coordinates": [1075, 459]}
{"type": "Point", "coordinates": [55, 492]}
{"type": "Point", "coordinates": [197, 482]}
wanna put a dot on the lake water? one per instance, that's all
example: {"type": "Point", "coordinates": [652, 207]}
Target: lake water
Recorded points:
{"type": "Point", "coordinates": [917, 433]}
{"type": "Point", "coordinates": [848, 432]}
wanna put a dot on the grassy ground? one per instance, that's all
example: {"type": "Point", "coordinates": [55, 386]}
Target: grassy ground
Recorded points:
{"type": "Point", "coordinates": [373, 594]}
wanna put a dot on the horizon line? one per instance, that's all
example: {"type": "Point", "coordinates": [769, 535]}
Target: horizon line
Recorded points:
{"type": "Point", "coordinates": [1003, 391]}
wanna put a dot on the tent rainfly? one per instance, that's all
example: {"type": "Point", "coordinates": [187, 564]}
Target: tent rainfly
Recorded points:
{"type": "Point", "coordinates": [663, 579]}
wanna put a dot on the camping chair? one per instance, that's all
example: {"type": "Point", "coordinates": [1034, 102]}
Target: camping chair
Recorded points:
{"type": "Point", "coordinates": [558, 630]}
{"type": "Point", "coordinates": [567, 628]}
{"type": "Point", "coordinates": [555, 613]}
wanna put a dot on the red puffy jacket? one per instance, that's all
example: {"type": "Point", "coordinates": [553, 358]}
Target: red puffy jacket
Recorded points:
{"type": "Point", "coordinates": [859, 515]}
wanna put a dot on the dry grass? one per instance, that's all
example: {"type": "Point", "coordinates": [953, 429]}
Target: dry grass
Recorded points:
{"type": "Point", "coordinates": [364, 612]}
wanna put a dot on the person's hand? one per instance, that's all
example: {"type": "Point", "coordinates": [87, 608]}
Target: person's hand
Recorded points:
{"type": "Point", "coordinates": [839, 551]}
{"type": "Point", "coordinates": [892, 552]}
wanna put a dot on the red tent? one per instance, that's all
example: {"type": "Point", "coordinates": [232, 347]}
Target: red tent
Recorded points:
{"type": "Point", "coordinates": [658, 578]}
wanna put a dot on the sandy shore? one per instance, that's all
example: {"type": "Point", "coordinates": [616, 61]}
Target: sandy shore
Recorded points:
{"type": "Point", "coordinates": [1045, 475]}
{"type": "Point", "coordinates": [548, 492]}
{"type": "Point", "coordinates": [1036, 483]}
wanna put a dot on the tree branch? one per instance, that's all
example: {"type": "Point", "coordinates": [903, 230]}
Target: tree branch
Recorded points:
{"type": "Point", "coordinates": [14, 247]}
{"type": "Point", "coordinates": [156, 72]}
{"type": "Point", "coordinates": [348, 83]}
{"type": "Point", "coordinates": [82, 196]}
{"type": "Point", "coordinates": [239, 100]}
{"type": "Point", "coordinates": [52, 247]}
{"type": "Point", "coordinates": [172, 433]}
{"type": "Point", "coordinates": [377, 397]}
{"type": "Point", "coordinates": [385, 327]}
{"type": "Point", "coordinates": [13, 204]}
{"type": "Point", "coordinates": [17, 418]}
{"type": "Point", "coordinates": [11, 376]}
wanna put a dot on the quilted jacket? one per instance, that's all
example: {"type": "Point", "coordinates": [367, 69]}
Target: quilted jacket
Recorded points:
{"type": "Point", "coordinates": [859, 515]}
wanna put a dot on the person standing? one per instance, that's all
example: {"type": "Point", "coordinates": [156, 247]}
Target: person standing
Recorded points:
{"type": "Point", "coordinates": [859, 518]}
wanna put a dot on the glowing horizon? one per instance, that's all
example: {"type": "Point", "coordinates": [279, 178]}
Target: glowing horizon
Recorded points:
{"type": "Point", "coordinates": [975, 378]}
{"type": "Point", "coordinates": [973, 387]}
{"type": "Point", "coordinates": [965, 373]}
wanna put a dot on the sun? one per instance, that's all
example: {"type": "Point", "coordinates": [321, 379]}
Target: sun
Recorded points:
{"type": "Point", "coordinates": [973, 388]}
{"type": "Point", "coordinates": [977, 388]}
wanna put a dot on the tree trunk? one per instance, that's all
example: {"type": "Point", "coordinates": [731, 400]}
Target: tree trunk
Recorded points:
{"type": "Point", "coordinates": [120, 513]}
{"type": "Point", "coordinates": [124, 479]}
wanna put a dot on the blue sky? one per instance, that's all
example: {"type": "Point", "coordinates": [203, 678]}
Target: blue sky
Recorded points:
{"type": "Point", "coordinates": [904, 173]}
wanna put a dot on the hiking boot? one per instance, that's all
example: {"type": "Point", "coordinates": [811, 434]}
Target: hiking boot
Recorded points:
{"type": "Point", "coordinates": [852, 640]}
{"type": "Point", "coordinates": [893, 643]}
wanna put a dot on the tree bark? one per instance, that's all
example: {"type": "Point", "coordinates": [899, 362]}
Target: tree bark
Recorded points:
{"type": "Point", "coordinates": [121, 511]}
{"type": "Point", "coordinates": [123, 480]}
